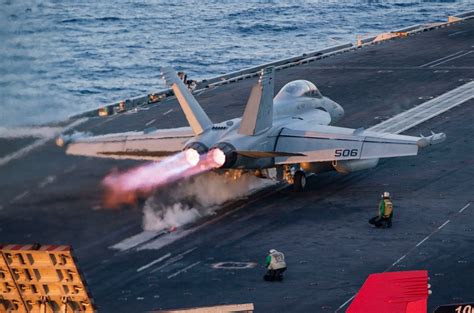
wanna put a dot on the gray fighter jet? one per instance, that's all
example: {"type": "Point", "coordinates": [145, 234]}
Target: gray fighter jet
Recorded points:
{"type": "Point", "coordinates": [285, 137]}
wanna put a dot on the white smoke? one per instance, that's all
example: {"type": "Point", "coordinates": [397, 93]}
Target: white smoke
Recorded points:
{"type": "Point", "coordinates": [196, 198]}
{"type": "Point", "coordinates": [26, 132]}
{"type": "Point", "coordinates": [67, 138]}
{"type": "Point", "coordinates": [76, 135]}
{"type": "Point", "coordinates": [175, 215]}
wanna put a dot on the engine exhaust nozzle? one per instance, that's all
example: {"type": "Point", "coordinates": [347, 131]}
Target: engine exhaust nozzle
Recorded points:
{"type": "Point", "coordinates": [228, 151]}
{"type": "Point", "coordinates": [198, 146]}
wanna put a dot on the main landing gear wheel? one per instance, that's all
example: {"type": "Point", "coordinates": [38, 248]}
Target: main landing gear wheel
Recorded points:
{"type": "Point", "coordinates": [299, 181]}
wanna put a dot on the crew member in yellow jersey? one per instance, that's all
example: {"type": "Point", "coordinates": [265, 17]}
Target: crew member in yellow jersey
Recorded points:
{"type": "Point", "coordinates": [384, 218]}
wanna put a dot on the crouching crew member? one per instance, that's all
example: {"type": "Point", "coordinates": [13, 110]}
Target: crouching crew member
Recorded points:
{"type": "Point", "coordinates": [384, 218]}
{"type": "Point", "coordinates": [276, 265]}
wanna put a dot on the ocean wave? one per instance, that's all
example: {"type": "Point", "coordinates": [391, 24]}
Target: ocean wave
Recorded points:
{"type": "Point", "coordinates": [264, 28]}
{"type": "Point", "coordinates": [70, 56]}
{"type": "Point", "coordinates": [264, 11]}
{"type": "Point", "coordinates": [91, 20]}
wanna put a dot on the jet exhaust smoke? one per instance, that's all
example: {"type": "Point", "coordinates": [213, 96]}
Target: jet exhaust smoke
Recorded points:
{"type": "Point", "coordinates": [127, 187]}
{"type": "Point", "coordinates": [64, 139]}
{"type": "Point", "coordinates": [200, 196]}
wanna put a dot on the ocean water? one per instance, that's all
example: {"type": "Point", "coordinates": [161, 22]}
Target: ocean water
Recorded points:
{"type": "Point", "coordinates": [62, 57]}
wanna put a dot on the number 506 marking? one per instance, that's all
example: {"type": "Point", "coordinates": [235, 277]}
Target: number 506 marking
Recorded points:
{"type": "Point", "coordinates": [346, 152]}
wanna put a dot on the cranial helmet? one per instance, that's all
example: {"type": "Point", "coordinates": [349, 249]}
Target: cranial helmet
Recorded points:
{"type": "Point", "coordinates": [386, 194]}
{"type": "Point", "coordinates": [272, 251]}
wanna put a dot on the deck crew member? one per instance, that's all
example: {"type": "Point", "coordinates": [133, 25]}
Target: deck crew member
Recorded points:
{"type": "Point", "coordinates": [276, 265]}
{"type": "Point", "coordinates": [384, 218]}
{"type": "Point", "coordinates": [183, 77]}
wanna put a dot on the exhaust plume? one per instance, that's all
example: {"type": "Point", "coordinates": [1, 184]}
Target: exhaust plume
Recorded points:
{"type": "Point", "coordinates": [200, 196]}
{"type": "Point", "coordinates": [129, 186]}
{"type": "Point", "coordinates": [65, 139]}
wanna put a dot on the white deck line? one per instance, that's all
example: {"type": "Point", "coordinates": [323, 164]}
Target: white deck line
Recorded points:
{"type": "Point", "coordinates": [184, 269]}
{"type": "Point", "coordinates": [136, 240]}
{"type": "Point", "coordinates": [457, 33]}
{"type": "Point", "coordinates": [426, 110]}
{"type": "Point", "coordinates": [453, 58]}
{"type": "Point", "coordinates": [465, 207]}
{"type": "Point", "coordinates": [144, 267]}
{"type": "Point", "coordinates": [422, 116]}
{"type": "Point", "coordinates": [20, 196]}
{"type": "Point", "coordinates": [151, 122]}
{"type": "Point", "coordinates": [173, 260]}
{"type": "Point", "coordinates": [441, 59]}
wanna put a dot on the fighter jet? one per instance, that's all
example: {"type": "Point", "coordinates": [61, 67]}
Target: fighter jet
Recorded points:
{"type": "Point", "coordinates": [286, 137]}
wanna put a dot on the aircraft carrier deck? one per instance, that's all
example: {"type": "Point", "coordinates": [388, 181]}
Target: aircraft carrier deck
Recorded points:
{"type": "Point", "coordinates": [51, 198]}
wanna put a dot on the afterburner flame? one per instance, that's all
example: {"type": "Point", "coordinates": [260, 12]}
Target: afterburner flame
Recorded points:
{"type": "Point", "coordinates": [127, 187]}
{"type": "Point", "coordinates": [217, 156]}
{"type": "Point", "coordinates": [192, 156]}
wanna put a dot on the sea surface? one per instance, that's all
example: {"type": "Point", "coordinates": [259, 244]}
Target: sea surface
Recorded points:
{"type": "Point", "coordinates": [59, 58]}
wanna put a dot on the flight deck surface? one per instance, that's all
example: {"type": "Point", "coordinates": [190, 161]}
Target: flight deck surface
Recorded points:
{"type": "Point", "coordinates": [53, 198]}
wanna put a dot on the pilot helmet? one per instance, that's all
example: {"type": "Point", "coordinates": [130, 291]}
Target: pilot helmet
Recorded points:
{"type": "Point", "coordinates": [272, 251]}
{"type": "Point", "coordinates": [386, 194]}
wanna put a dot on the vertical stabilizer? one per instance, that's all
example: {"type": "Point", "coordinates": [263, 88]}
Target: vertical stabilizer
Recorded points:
{"type": "Point", "coordinates": [197, 118]}
{"type": "Point", "coordinates": [258, 115]}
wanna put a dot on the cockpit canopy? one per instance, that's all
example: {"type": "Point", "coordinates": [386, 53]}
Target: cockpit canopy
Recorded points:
{"type": "Point", "coordinates": [298, 88]}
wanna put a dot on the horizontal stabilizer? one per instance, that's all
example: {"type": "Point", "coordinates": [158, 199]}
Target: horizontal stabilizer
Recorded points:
{"type": "Point", "coordinates": [197, 118]}
{"type": "Point", "coordinates": [266, 154]}
{"type": "Point", "coordinates": [320, 143]}
{"type": "Point", "coordinates": [154, 145]}
{"type": "Point", "coordinates": [139, 154]}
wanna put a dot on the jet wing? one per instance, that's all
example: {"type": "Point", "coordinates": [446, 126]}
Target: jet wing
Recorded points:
{"type": "Point", "coordinates": [329, 143]}
{"type": "Point", "coordinates": [153, 145]}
